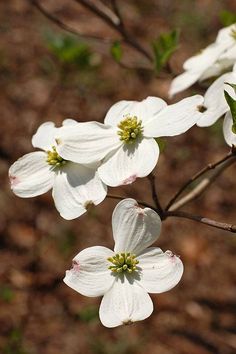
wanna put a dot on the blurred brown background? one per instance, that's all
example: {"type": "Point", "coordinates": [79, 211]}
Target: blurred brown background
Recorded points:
{"type": "Point", "coordinates": [38, 312]}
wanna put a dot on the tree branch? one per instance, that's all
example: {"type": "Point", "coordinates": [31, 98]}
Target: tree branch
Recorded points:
{"type": "Point", "coordinates": [197, 175]}
{"type": "Point", "coordinates": [63, 25]}
{"type": "Point", "coordinates": [201, 219]}
{"type": "Point", "coordinates": [203, 185]}
{"type": "Point", "coordinates": [119, 27]}
{"type": "Point", "coordinates": [159, 210]}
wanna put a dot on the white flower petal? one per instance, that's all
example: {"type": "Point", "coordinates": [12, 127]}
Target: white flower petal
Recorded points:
{"type": "Point", "coordinates": [129, 162]}
{"type": "Point", "coordinates": [215, 101]}
{"type": "Point", "coordinates": [183, 81]}
{"type": "Point", "coordinates": [87, 142]}
{"type": "Point", "coordinates": [44, 138]}
{"type": "Point", "coordinates": [124, 303]}
{"type": "Point", "coordinates": [31, 175]}
{"type": "Point", "coordinates": [176, 118]}
{"type": "Point", "coordinates": [203, 60]}
{"type": "Point", "coordinates": [229, 136]}
{"type": "Point", "coordinates": [144, 110]}
{"type": "Point", "coordinates": [69, 122]}
{"type": "Point", "coordinates": [134, 228]}
{"type": "Point", "coordinates": [229, 54]}
{"type": "Point", "coordinates": [90, 275]}
{"type": "Point", "coordinates": [224, 36]}
{"type": "Point", "coordinates": [159, 271]}
{"type": "Point", "coordinates": [75, 187]}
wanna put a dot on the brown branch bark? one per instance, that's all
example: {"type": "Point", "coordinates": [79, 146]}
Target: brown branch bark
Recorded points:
{"type": "Point", "coordinates": [201, 219]}
{"type": "Point", "coordinates": [203, 185]}
{"type": "Point", "coordinates": [158, 209]}
{"type": "Point", "coordinates": [196, 176]}
{"type": "Point", "coordinates": [119, 27]}
{"type": "Point", "coordinates": [63, 25]}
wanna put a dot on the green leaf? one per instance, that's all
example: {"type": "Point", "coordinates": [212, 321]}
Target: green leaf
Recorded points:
{"type": "Point", "coordinates": [232, 105]}
{"type": "Point", "coordinates": [164, 47]}
{"type": "Point", "coordinates": [68, 50]}
{"type": "Point", "coordinates": [116, 51]}
{"type": "Point", "coordinates": [227, 18]}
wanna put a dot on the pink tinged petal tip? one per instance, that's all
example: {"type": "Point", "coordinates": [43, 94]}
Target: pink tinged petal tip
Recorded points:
{"type": "Point", "coordinates": [75, 266]}
{"type": "Point", "coordinates": [172, 256]}
{"type": "Point", "coordinates": [14, 181]}
{"type": "Point", "coordinates": [129, 180]}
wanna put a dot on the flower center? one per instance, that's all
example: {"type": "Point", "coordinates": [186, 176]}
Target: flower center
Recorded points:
{"type": "Point", "coordinates": [233, 33]}
{"type": "Point", "coordinates": [123, 262]}
{"type": "Point", "coordinates": [54, 159]}
{"type": "Point", "coordinates": [130, 129]}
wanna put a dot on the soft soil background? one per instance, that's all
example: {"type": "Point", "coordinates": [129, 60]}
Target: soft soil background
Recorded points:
{"type": "Point", "coordinates": [38, 312]}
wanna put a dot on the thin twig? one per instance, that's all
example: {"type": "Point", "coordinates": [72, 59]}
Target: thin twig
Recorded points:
{"type": "Point", "coordinates": [201, 219]}
{"type": "Point", "coordinates": [119, 27]}
{"type": "Point", "coordinates": [120, 197]}
{"type": "Point", "coordinates": [196, 176]}
{"type": "Point", "coordinates": [64, 26]}
{"type": "Point", "coordinates": [151, 178]}
{"type": "Point", "coordinates": [203, 185]}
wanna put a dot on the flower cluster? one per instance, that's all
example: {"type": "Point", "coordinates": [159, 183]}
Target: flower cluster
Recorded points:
{"type": "Point", "coordinates": [136, 269]}
{"type": "Point", "coordinates": [79, 160]}
{"type": "Point", "coordinates": [210, 62]}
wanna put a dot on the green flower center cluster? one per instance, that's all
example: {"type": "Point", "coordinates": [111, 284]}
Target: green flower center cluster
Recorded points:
{"type": "Point", "coordinates": [130, 129]}
{"type": "Point", "coordinates": [233, 33]}
{"type": "Point", "coordinates": [123, 262]}
{"type": "Point", "coordinates": [54, 159]}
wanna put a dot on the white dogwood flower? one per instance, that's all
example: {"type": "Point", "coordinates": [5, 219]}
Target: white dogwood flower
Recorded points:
{"type": "Point", "coordinates": [229, 135]}
{"type": "Point", "coordinates": [211, 61]}
{"type": "Point", "coordinates": [125, 276]}
{"type": "Point", "coordinates": [215, 104]}
{"type": "Point", "coordinates": [74, 186]}
{"type": "Point", "coordinates": [125, 143]}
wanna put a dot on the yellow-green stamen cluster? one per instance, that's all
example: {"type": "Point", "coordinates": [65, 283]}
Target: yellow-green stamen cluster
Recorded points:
{"type": "Point", "coordinates": [54, 159]}
{"type": "Point", "coordinates": [123, 262]}
{"type": "Point", "coordinates": [233, 33]}
{"type": "Point", "coordinates": [130, 129]}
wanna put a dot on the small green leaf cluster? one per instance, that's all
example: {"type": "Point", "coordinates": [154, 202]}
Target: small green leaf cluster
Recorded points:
{"type": "Point", "coordinates": [164, 47]}
{"type": "Point", "coordinates": [68, 50]}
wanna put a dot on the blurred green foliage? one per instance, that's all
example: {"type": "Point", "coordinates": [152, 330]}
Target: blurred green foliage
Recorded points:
{"type": "Point", "coordinates": [6, 293]}
{"type": "Point", "coordinates": [88, 314]}
{"type": "Point", "coordinates": [14, 343]}
{"type": "Point", "coordinates": [227, 18]}
{"type": "Point", "coordinates": [164, 47]}
{"type": "Point", "coordinates": [116, 51]}
{"type": "Point", "coordinates": [68, 50]}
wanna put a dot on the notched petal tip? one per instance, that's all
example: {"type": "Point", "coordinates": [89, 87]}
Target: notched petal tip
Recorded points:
{"type": "Point", "coordinates": [75, 266]}
{"type": "Point", "coordinates": [89, 204]}
{"type": "Point", "coordinates": [14, 180]}
{"type": "Point", "coordinates": [129, 180]}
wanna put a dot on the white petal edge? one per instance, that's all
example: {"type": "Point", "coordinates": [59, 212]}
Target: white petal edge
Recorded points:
{"type": "Point", "coordinates": [87, 142]}
{"type": "Point", "coordinates": [134, 228]}
{"type": "Point", "coordinates": [75, 187]}
{"type": "Point", "coordinates": [144, 110]}
{"type": "Point", "coordinates": [160, 271]}
{"type": "Point", "coordinates": [124, 303]}
{"type": "Point", "coordinates": [175, 119]}
{"type": "Point", "coordinates": [229, 136]}
{"type": "Point", "coordinates": [44, 138]}
{"type": "Point", "coordinates": [215, 101]}
{"type": "Point", "coordinates": [31, 175]}
{"type": "Point", "coordinates": [129, 162]}
{"type": "Point", "coordinates": [90, 275]}
{"type": "Point", "coordinates": [183, 81]}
